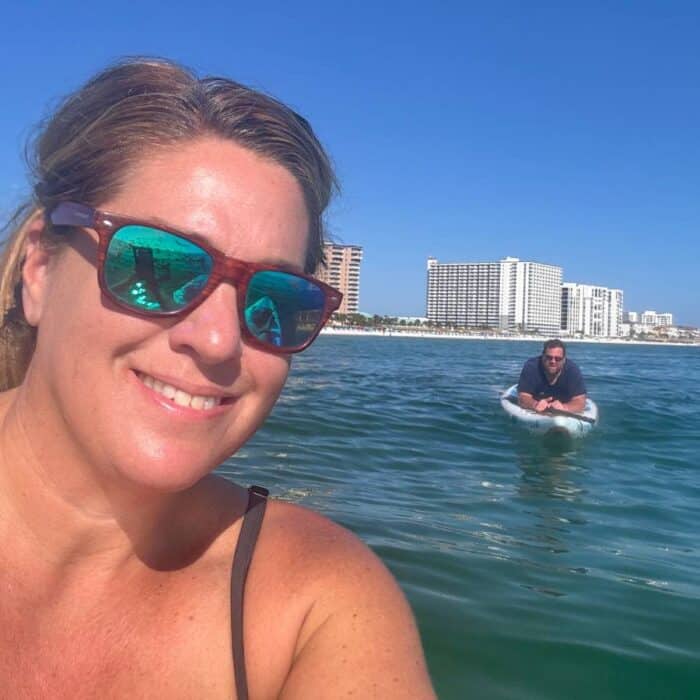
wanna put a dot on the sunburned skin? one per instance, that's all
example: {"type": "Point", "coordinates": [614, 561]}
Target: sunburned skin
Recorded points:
{"type": "Point", "coordinates": [201, 353]}
{"type": "Point", "coordinates": [117, 582]}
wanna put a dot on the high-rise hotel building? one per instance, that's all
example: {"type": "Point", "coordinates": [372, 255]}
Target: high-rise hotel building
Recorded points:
{"type": "Point", "coordinates": [590, 310]}
{"type": "Point", "coordinates": [651, 318]}
{"type": "Point", "coordinates": [342, 271]}
{"type": "Point", "coordinates": [510, 294]}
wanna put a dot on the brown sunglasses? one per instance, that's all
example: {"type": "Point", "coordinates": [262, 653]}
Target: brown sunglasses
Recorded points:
{"type": "Point", "coordinates": [151, 271]}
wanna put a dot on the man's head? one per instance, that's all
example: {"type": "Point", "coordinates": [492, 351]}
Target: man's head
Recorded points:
{"type": "Point", "coordinates": [553, 357]}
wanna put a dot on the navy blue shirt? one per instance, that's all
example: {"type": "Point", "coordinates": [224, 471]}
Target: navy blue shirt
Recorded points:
{"type": "Point", "coordinates": [533, 381]}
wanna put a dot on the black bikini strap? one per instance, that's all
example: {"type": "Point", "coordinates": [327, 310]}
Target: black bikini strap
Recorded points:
{"type": "Point", "coordinates": [252, 520]}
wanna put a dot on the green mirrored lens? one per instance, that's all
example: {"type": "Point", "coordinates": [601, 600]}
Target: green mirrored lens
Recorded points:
{"type": "Point", "coordinates": [283, 309]}
{"type": "Point", "coordinates": [153, 270]}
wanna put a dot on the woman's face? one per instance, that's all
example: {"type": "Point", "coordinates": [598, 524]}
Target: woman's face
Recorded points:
{"type": "Point", "coordinates": [96, 370]}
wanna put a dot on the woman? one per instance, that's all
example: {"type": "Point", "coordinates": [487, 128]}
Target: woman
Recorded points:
{"type": "Point", "coordinates": [199, 203]}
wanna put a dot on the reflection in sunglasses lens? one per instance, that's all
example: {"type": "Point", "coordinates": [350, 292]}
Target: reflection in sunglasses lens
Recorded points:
{"type": "Point", "coordinates": [153, 270]}
{"type": "Point", "coordinates": [282, 308]}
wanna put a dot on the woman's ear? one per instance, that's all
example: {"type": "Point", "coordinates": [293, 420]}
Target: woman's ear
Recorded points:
{"type": "Point", "coordinates": [35, 270]}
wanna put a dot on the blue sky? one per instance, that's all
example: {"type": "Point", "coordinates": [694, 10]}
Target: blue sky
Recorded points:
{"type": "Point", "coordinates": [566, 133]}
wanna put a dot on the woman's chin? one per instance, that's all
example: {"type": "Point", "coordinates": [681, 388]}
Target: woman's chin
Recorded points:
{"type": "Point", "coordinates": [167, 473]}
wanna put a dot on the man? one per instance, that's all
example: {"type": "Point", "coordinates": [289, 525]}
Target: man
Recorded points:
{"type": "Point", "coordinates": [550, 381]}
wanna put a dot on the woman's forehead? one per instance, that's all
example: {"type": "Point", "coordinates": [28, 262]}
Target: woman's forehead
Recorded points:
{"type": "Point", "coordinates": [231, 196]}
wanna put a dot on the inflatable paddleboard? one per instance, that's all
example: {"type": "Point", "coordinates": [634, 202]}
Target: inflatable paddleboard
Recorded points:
{"type": "Point", "coordinates": [547, 424]}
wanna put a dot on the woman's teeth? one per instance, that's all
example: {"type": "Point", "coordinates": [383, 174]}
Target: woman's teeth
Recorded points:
{"type": "Point", "coordinates": [178, 396]}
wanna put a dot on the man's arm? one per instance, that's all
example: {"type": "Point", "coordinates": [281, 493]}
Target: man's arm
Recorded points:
{"type": "Point", "coordinates": [576, 405]}
{"type": "Point", "coordinates": [528, 401]}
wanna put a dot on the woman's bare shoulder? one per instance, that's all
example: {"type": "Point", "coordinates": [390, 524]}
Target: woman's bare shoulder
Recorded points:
{"type": "Point", "coordinates": [321, 552]}
{"type": "Point", "coordinates": [357, 632]}
{"type": "Point", "coordinates": [290, 533]}
{"type": "Point", "coordinates": [310, 534]}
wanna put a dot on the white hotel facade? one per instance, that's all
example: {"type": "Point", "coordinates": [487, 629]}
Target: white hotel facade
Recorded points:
{"type": "Point", "coordinates": [648, 321]}
{"type": "Point", "coordinates": [591, 311]}
{"type": "Point", "coordinates": [651, 318]}
{"type": "Point", "coordinates": [509, 294]}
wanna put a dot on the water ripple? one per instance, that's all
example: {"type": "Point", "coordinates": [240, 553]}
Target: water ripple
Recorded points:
{"type": "Point", "coordinates": [515, 555]}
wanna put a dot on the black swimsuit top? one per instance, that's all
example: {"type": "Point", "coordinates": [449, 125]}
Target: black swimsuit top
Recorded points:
{"type": "Point", "coordinates": [252, 520]}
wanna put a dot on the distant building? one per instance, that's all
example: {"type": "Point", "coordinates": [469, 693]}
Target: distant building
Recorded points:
{"type": "Point", "coordinates": [509, 294]}
{"type": "Point", "coordinates": [615, 301]}
{"type": "Point", "coordinates": [648, 318]}
{"type": "Point", "coordinates": [463, 294]}
{"type": "Point", "coordinates": [342, 271]}
{"type": "Point", "coordinates": [530, 297]}
{"type": "Point", "coordinates": [650, 323]}
{"type": "Point", "coordinates": [651, 318]}
{"type": "Point", "coordinates": [590, 310]}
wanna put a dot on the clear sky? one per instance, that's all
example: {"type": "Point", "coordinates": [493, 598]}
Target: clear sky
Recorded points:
{"type": "Point", "coordinates": [562, 132]}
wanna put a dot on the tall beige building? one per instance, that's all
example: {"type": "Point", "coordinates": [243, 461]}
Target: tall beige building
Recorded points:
{"type": "Point", "coordinates": [342, 271]}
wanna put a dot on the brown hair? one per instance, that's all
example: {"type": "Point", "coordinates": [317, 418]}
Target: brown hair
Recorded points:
{"type": "Point", "coordinates": [554, 343]}
{"type": "Point", "coordinates": [85, 151]}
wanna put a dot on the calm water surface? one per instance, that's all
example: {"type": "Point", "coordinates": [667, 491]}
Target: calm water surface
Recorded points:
{"type": "Point", "coordinates": [535, 571]}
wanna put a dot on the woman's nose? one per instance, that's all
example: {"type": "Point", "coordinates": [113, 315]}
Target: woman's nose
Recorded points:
{"type": "Point", "coordinates": [212, 330]}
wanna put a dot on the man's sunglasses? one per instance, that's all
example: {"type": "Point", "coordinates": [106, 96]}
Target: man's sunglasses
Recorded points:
{"type": "Point", "coordinates": [553, 358]}
{"type": "Point", "coordinates": [150, 271]}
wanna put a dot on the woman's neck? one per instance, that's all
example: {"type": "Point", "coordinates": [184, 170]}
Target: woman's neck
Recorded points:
{"type": "Point", "coordinates": [64, 510]}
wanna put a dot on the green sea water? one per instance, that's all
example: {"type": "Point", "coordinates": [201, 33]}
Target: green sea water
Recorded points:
{"type": "Point", "coordinates": [536, 571]}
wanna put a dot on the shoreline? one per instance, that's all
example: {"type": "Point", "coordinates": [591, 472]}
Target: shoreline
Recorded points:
{"type": "Point", "coordinates": [395, 333]}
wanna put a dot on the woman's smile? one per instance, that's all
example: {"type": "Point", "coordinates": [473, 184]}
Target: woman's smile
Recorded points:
{"type": "Point", "coordinates": [198, 390]}
{"type": "Point", "coordinates": [180, 397]}
{"type": "Point", "coordinates": [154, 289]}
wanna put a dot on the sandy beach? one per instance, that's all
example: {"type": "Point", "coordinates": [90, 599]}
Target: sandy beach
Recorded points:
{"type": "Point", "coordinates": [418, 333]}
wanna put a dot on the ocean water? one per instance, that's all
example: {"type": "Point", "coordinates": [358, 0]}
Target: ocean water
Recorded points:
{"type": "Point", "coordinates": [536, 571]}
